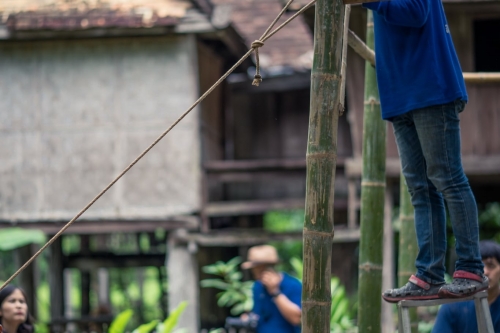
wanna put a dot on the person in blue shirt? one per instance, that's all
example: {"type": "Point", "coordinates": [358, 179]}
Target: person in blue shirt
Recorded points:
{"type": "Point", "coordinates": [276, 295]}
{"type": "Point", "coordinates": [461, 317]}
{"type": "Point", "coordinates": [422, 92]}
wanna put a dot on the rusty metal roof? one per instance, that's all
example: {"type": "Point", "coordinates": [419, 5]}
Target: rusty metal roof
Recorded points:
{"type": "Point", "coordinates": [22, 15]}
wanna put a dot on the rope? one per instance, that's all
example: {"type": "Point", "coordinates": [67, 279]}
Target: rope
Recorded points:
{"type": "Point", "coordinates": [267, 34]}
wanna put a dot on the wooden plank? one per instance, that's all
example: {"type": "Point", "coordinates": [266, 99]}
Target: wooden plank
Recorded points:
{"type": "Point", "coordinates": [234, 177]}
{"type": "Point", "coordinates": [257, 165]}
{"type": "Point", "coordinates": [481, 77]}
{"type": "Point", "coordinates": [231, 208]}
{"type": "Point", "coordinates": [56, 279]}
{"type": "Point", "coordinates": [474, 165]}
{"type": "Point", "coordinates": [250, 237]}
{"type": "Point", "coordinates": [109, 260]}
{"type": "Point", "coordinates": [228, 208]}
{"type": "Point", "coordinates": [108, 227]}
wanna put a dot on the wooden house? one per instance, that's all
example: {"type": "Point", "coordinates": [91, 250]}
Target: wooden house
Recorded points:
{"type": "Point", "coordinates": [86, 87]}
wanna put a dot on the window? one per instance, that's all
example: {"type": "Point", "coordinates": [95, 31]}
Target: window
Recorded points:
{"type": "Point", "coordinates": [487, 45]}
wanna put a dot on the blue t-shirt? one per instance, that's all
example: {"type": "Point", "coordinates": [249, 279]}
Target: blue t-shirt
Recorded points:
{"type": "Point", "coordinates": [416, 62]}
{"type": "Point", "coordinates": [270, 318]}
{"type": "Point", "coordinates": [461, 317]}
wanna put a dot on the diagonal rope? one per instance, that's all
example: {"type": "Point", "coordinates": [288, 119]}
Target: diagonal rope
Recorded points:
{"type": "Point", "coordinates": [264, 37]}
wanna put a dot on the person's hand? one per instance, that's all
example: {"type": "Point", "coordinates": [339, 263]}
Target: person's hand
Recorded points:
{"type": "Point", "coordinates": [271, 280]}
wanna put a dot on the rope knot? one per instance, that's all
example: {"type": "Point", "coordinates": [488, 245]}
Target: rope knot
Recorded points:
{"type": "Point", "coordinates": [257, 78]}
{"type": "Point", "coordinates": [256, 44]}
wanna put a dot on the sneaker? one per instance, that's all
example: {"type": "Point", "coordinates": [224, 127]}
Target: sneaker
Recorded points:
{"type": "Point", "coordinates": [415, 289]}
{"type": "Point", "coordinates": [464, 284]}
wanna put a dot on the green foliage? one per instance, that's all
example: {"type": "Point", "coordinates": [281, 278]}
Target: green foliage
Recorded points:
{"type": "Point", "coordinates": [489, 221]}
{"type": "Point", "coordinates": [13, 238]}
{"type": "Point", "coordinates": [297, 266]}
{"type": "Point", "coordinates": [171, 321]}
{"type": "Point", "coordinates": [236, 294]}
{"type": "Point", "coordinates": [285, 221]}
{"type": "Point", "coordinates": [120, 322]}
{"type": "Point", "coordinates": [146, 328]}
{"type": "Point", "coordinates": [340, 319]}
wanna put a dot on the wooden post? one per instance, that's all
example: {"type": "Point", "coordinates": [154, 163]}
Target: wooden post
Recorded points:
{"type": "Point", "coordinates": [321, 160]}
{"type": "Point", "coordinates": [408, 247]}
{"type": "Point", "coordinates": [27, 278]}
{"type": "Point", "coordinates": [56, 283]}
{"type": "Point", "coordinates": [372, 202]}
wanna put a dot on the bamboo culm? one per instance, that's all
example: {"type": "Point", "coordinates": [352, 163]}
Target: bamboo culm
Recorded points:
{"type": "Point", "coordinates": [372, 202]}
{"type": "Point", "coordinates": [325, 106]}
{"type": "Point", "coordinates": [408, 247]}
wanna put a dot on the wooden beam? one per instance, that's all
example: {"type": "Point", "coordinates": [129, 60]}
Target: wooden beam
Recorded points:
{"type": "Point", "coordinates": [108, 227]}
{"type": "Point", "coordinates": [254, 165]}
{"type": "Point", "coordinates": [260, 165]}
{"type": "Point", "coordinates": [109, 260]}
{"type": "Point", "coordinates": [482, 77]}
{"type": "Point", "coordinates": [369, 55]}
{"type": "Point", "coordinates": [361, 48]}
{"type": "Point", "coordinates": [473, 166]}
{"type": "Point", "coordinates": [250, 237]}
{"type": "Point", "coordinates": [231, 208]}
{"type": "Point", "coordinates": [228, 208]}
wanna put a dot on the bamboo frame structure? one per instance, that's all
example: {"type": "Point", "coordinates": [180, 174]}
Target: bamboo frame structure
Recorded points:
{"type": "Point", "coordinates": [368, 54]}
{"type": "Point", "coordinates": [407, 245]}
{"type": "Point", "coordinates": [372, 201]}
{"type": "Point", "coordinates": [325, 107]}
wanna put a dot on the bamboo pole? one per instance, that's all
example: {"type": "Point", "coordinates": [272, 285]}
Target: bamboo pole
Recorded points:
{"type": "Point", "coordinates": [325, 106]}
{"type": "Point", "coordinates": [407, 245]}
{"type": "Point", "coordinates": [482, 77]}
{"type": "Point", "coordinates": [372, 201]}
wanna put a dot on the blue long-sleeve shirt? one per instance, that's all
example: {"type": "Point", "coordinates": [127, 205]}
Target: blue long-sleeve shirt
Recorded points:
{"type": "Point", "coordinates": [416, 62]}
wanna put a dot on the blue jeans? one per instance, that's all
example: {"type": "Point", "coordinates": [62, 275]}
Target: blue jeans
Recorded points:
{"type": "Point", "coordinates": [428, 141]}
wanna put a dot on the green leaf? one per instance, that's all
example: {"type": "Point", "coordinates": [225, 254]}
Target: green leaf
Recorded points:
{"type": "Point", "coordinates": [340, 311]}
{"type": "Point", "coordinates": [146, 328]}
{"type": "Point", "coordinates": [297, 266]}
{"type": "Point", "coordinates": [173, 318]}
{"type": "Point", "coordinates": [214, 283]}
{"type": "Point", "coordinates": [120, 322]}
{"type": "Point", "coordinates": [13, 238]}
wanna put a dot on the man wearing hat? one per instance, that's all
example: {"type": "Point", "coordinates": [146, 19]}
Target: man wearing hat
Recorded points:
{"type": "Point", "coordinates": [276, 295]}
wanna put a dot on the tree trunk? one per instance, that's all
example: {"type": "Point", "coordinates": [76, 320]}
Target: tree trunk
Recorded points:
{"type": "Point", "coordinates": [321, 159]}
{"type": "Point", "coordinates": [408, 247]}
{"type": "Point", "coordinates": [372, 202]}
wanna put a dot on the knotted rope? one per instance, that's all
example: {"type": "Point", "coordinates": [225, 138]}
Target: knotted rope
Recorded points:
{"type": "Point", "coordinates": [257, 78]}
{"type": "Point", "coordinates": [264, 37]}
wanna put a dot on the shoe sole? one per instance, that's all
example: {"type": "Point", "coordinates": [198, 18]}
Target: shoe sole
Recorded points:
{"type": "Point", "coordinates": [443, 293]}
{"type": "Point", "coordinates": [410, 298]}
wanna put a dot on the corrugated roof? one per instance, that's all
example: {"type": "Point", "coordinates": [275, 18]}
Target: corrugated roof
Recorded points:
{"type": "Point", "coordinates": [292, 46]}
{"type": "Point", "coordinates": [21, 15]}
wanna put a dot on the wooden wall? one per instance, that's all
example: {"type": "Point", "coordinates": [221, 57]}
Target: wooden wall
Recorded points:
{"type": "Point", "coordinates": [75, 113]}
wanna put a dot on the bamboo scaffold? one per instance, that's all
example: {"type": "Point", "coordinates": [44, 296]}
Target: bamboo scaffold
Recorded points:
{"type": "Point", "coordinates": [325, 108]}
{"type": "Point", "coordinates": [408, 247]}
{"type": "Point", "coordinates": [372, 201]}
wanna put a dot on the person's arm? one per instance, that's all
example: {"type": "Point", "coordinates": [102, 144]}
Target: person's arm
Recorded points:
{"type": "Point", "coordinates": [408, 13]}
{"type": "Point", "coordinates": [288, 309]}
{"type": "Point", "coordinates": [444, 321]}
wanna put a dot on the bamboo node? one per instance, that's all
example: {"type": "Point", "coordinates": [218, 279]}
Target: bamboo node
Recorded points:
{"type": "Point", "coordinates": [373, 184]}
